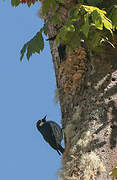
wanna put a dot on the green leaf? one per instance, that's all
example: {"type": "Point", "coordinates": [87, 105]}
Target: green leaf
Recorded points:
{"type": "Point", "coordinates": [40, 40]}
{"type": "Point", "coordinates": [45, 7]}
{"type": "Point", "coordinates": [73, 40]}
{"type": "Point", "coordinates": [56, 18]}
{"type": "Point", "coordinates": [23, 50]}
{"type": "Point", "coordinates": [75, 11]}
{"type": "Point", "coordinates": [90, 9]}
{"type": "Point", "coordinates": [60, 36]}
{"type": "Point", "coordinates": [29, 4]}
{"type": "Point", "coordinates": [96, 17]}
{"type": "Point", "coordinates": [93, 41]}
{"type": "Point", "coordinates": [35, 45]}
{"type": "Point", "coordinates": [64, 34]}
{"type": "Point", "coordinates": [70, 28]}
{"type": "Point", "coordinates": [54, 4]}
{"type": "Point", "coordinates": [86, 26]}
{"type": "Point", "coordinates": [107, 23]}
{"type": "Point", "coordinates": [15, 2]}
{"type": "Point", "coordinates": [99, 18]}
{"type": "Point", "coordinates": [113, 17]}
{"type": "Point", "coordinates": [68, 36]}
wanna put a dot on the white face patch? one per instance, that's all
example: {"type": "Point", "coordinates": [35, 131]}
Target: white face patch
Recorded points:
{"type": "Point", "coordinates": [41, 123]}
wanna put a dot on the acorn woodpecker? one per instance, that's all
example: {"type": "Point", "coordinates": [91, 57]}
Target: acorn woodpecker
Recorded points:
{"type": "Point", "coordinates": [52, 133]}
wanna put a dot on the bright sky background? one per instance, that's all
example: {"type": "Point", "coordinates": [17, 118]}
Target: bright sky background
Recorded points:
{"type": "Point", "coordinates": [26, 95]}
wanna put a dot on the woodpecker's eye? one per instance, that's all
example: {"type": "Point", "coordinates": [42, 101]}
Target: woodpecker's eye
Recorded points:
{"type": "Point", "coordinates": [41, 122]}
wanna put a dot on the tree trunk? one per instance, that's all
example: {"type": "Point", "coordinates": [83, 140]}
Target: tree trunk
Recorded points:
{"type": "Point", "coordinates": [87, 89]}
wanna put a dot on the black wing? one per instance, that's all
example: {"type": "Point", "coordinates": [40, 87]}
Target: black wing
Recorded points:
{"type": "Point", "coordinates": [57, 131]}
{"type": "Point", "coordinates": [48, 134]}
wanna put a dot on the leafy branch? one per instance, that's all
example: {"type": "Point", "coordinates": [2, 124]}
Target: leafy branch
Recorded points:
{"type": "Point", "coordinates": [35, 45]}
{"type": "Point", "coordinates": [85, 22]}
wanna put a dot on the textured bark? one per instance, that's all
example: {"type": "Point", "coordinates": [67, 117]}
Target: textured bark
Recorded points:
{"type": "Point", "coordinates": [87, 88]}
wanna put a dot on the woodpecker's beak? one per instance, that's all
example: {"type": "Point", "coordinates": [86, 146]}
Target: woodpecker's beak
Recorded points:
{"type": "Point", "coordinates": [44, 118]}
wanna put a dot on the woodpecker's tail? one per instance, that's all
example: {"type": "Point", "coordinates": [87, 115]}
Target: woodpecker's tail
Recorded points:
{"type": "Point", "coordinates": [61, 149]}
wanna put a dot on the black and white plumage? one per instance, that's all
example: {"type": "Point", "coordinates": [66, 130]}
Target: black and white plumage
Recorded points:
{"type": "Point", "coordinates": [52, 133]}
